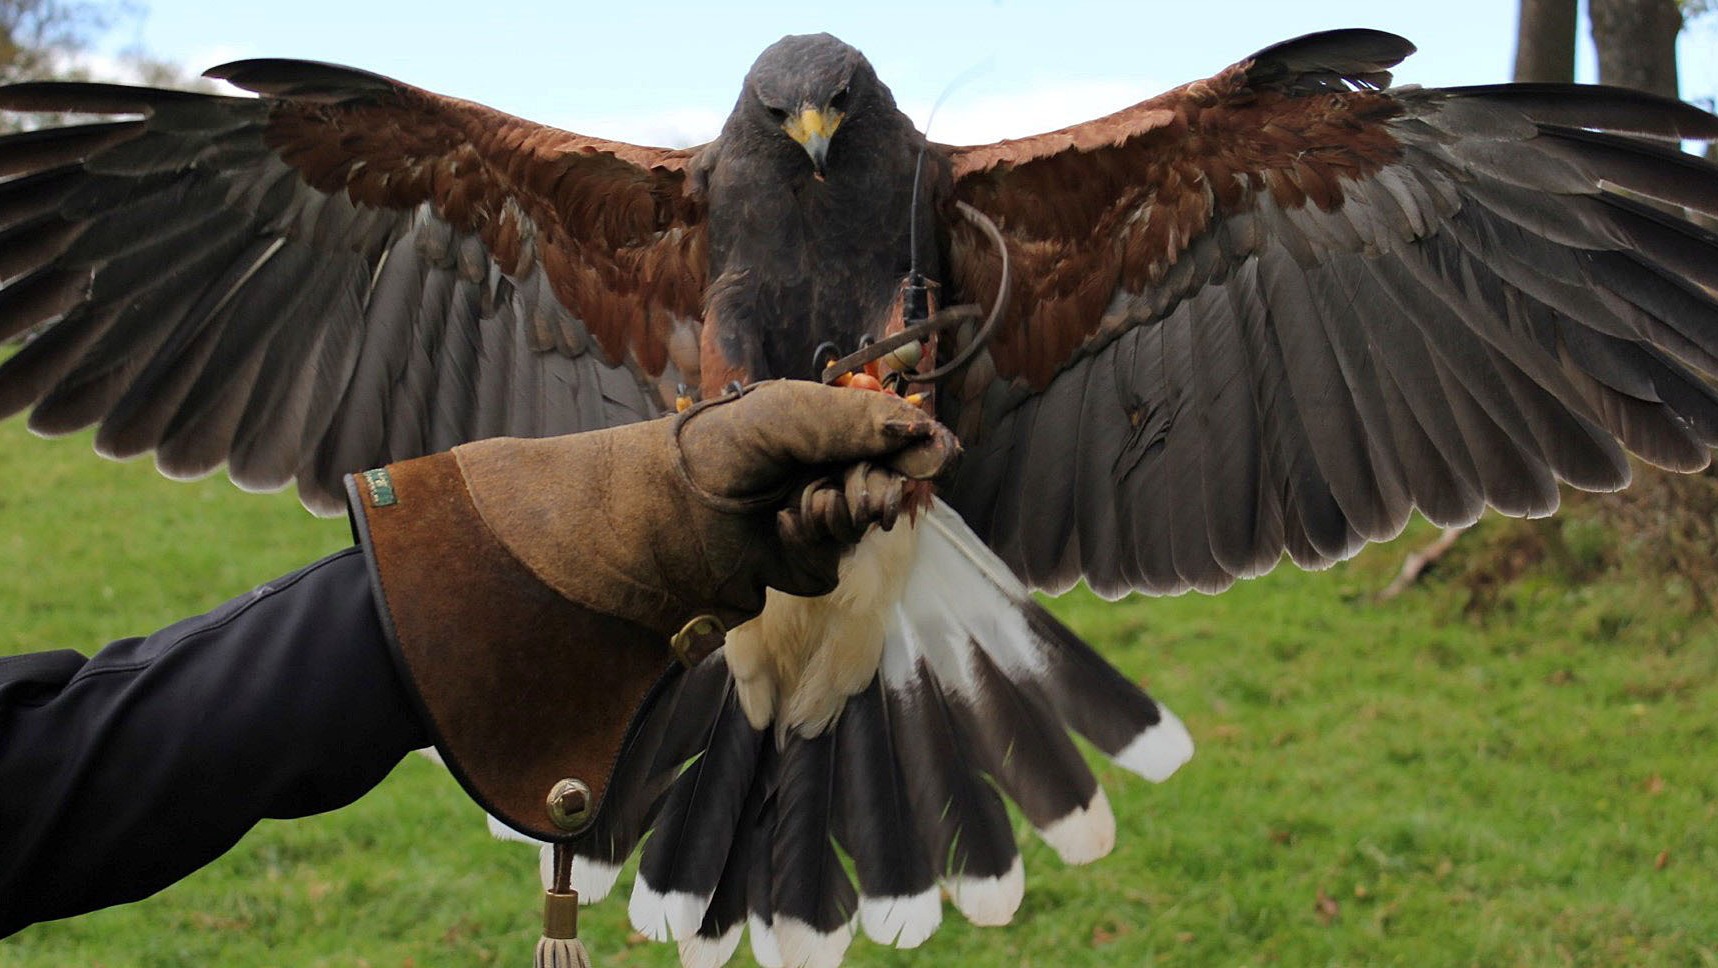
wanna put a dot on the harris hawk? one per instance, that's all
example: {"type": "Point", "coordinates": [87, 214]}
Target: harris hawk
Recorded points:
{"type": "Point", "coordinates": [1270, 312]}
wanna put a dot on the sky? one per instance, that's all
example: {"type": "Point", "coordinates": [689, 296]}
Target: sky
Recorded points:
{"type": "Point", "coordinates": [667, 73]}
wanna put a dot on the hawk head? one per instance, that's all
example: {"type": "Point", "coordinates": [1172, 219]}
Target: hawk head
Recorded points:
{"type": "Point", "coordinates": [806, 86]}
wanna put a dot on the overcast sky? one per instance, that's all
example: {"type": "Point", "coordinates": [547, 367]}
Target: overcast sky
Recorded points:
{"type": "Point", "coordinates": [667, 73]}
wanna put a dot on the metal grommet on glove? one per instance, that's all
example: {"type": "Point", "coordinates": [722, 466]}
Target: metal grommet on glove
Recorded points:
{"type": "Point", "coordinates": [569, 805]}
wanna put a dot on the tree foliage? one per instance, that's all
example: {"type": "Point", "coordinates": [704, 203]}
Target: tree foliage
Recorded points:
{"type": "Point", "coordinates": [41, 38]}
{"type": "Point", "coordinates": [55, 39]}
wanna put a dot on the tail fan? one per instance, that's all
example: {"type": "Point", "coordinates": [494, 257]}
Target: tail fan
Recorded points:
{"type": "Point", "coordinates": [978, 694]}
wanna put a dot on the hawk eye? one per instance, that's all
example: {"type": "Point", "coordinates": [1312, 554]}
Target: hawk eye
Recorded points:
{"type": "Point", "coordinates": [839, 101]}
{"type": "Point", "coordinates": [778, 113]}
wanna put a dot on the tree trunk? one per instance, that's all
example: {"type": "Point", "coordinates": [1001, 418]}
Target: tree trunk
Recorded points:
{"type": "Point", "coordinates": [1545, 41]}
{"type": "Point", "coordinates": [1636, 40]}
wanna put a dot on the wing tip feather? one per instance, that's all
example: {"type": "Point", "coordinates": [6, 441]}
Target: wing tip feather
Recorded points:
{"type": "Point", "coordinates": [286, 77]}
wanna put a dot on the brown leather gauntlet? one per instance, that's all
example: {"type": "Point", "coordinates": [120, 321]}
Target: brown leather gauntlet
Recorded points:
{"type": "Point", "coordinates": [530, 587]}
{"type": "Point", "coordinates": [521, 688]}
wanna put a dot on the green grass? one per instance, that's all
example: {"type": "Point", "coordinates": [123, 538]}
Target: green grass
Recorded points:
{"type": "Point", "coordinates": [1375, 785]}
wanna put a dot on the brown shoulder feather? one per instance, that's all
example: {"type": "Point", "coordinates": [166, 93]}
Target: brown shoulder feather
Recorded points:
{"type": "Point", "coordinates": [614, 227]}
{"type": "Point", "coordinates": [1113, 203]}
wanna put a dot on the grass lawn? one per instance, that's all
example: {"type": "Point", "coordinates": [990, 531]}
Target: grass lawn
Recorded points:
{"type": "Point", "coordinates": [1375, 785]}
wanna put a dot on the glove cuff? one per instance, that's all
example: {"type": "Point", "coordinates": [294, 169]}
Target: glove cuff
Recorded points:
{"type": "Point", "coordinates": [520, 688]}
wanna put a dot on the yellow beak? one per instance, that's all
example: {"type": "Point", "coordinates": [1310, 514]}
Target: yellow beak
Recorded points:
{"type": "Point", "coordinates": [812, 128]}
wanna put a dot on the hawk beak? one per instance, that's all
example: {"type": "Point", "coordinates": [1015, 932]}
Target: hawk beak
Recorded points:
{"type": "Point", "coordinates": [812, 128]}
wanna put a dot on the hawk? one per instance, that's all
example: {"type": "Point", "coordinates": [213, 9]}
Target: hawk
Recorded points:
{"type": "Point", "coordinates": [1268, 313]}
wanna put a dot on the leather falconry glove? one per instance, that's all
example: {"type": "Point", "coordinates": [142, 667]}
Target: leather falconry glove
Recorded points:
{"type": "Point", "coordinates": [531, 588]}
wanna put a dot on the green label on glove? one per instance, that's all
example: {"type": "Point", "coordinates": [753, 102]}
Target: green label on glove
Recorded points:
{"type": "Point", "coordinates": [381, 487]}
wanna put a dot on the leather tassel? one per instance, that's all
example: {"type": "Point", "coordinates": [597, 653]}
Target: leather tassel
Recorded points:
{"type": "Point", "coordinates": [561, 953]}
{"type": "Point", "coordinates": [560, 947]}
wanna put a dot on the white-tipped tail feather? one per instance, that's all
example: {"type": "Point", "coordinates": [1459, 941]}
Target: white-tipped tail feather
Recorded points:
{"type": "Point", "coordinates": [989, 901]}
{"type": "Point", "coordinates": [904, 922]}
{"type": "Point", "coordinates": [661, 917]}
{"type": "Point", "coordinates": [501, 831]}
{"type": "Point", "coordinates": [593, 879]}
{"type": "Point", "coordinates": [701, 952]}
{"type": "Point", "coordinates": [766, 949]}
{"type": "Point", "coordinates": [806, 946]}
{"type": "Point", "coordinates": [1084, 835]}
{"type": "Point", "coordinates": [1159, 751]}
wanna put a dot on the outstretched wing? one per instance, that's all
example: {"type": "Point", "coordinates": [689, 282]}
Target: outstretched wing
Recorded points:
{"type": "Point", "coordinates": [1279, 309]}
{"type": "Point", "coordinates": [345, 272]}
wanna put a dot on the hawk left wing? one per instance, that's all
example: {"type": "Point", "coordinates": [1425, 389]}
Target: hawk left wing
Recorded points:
{"type": "Point", "coordinates": [1279, 309]}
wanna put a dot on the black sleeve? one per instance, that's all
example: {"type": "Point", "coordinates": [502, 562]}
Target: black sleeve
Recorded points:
{"type": "Point", "coordinates": [123, 773]}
